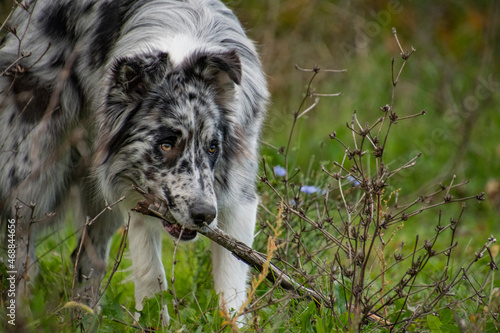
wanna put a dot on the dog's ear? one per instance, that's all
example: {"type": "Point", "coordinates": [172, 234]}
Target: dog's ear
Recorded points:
{"type": "Point", "coordinates": [133, 77]}
{"type": "Point", "coordinates": [221, 70]}
{"type": "Point", "coordinates": [221, 66]}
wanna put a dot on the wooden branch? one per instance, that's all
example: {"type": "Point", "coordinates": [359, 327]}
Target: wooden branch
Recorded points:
{"type": "Point", "coordinates": [246, 254]}
{"type": "Point", "coordinates": [241, 251]}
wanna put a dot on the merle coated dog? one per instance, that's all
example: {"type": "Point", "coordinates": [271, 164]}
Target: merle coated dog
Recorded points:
{"type": "Point", "coordinates": [165, 95]}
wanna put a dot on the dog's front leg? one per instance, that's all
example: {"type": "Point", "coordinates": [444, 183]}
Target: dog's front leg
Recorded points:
{"type": "Point", "coordinates": [145, 235]}
{"type": "Point", "coordinates": [231, 274]}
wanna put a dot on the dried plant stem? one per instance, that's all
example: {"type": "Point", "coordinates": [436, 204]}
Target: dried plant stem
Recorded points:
{"type": "Point", "coordinates": [252, 258]}
{"type": "Point", "coordinates": [84, 234]}
{"type": "Point", "coordinates": [246, 254]}
{"type": "Point", "coordinates": [118, 260]}
{"type": "Point", "coordinates": [124, 308]}
{"type": "Point", "coordinates": [271, 248]}
{"type": "Point", "coordinates": [172, 279]}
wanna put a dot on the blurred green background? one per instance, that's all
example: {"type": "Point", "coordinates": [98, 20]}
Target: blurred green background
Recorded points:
{"type": "Point", "coordinates": [454, 75]}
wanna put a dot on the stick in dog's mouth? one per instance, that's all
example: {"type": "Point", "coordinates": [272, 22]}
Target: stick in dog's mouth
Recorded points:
{"type": "Point", "coordinates": [177, 231]}
{"type": "Point", "coordinates": [246, 254]}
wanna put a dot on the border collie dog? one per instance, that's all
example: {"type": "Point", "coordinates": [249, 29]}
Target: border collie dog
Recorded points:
{"type": "Point", "coordinates": [165, 95]}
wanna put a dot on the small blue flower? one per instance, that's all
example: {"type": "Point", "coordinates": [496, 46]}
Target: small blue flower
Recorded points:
{"type": "Point", "coordinates": [353, 180]}
{"type": "Point", "coordinates": [279, 171]}
{"type": "Point", "coordinates": [309, 189]}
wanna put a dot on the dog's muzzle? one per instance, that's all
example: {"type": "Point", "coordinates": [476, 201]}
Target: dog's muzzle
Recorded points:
{"type": "Point", "coordinates": [200, 213]}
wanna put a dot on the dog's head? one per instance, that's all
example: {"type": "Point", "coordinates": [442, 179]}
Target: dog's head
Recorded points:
{"type": "Point", "coordinates": [162, 129]}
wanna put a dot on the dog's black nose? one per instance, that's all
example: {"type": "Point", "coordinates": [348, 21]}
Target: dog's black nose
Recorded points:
{"type": "Point", "coordinates": [203, 213]}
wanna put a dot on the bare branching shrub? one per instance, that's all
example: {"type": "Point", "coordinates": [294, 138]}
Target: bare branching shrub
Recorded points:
{"type": "Point", "coordinates": [340, 249]}
{"type": "Point", "coordinates": [340, 239]}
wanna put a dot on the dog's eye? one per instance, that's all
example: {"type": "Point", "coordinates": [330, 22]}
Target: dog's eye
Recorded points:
{"type": "Point", "coordinates": [212, 149]}
{"type": "Point", "coordinates": [166, 146]}
{"type": "Point", "coordinates": [168, 141]}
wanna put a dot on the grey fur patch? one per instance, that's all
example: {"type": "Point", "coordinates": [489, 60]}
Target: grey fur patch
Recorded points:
{"type": "Point", "coordinates": [31, 97]}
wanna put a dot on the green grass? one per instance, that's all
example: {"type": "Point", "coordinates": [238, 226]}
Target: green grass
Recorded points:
{"type": "Point", "coordinates": [458, 135]}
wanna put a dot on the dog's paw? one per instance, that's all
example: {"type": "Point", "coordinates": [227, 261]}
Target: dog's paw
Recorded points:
{"type": "Point", "coordinates": [165, 317]}
{"type": "Point", "coordinates": [137, 316]}
{"type": "Point", "coordinates": [241, 321]}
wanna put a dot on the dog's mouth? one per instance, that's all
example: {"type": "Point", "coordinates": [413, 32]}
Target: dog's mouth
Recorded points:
{"type": "Point", "coordinates": [161, 211]}
{"type": "Point", "coordinates": [179, 232]}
